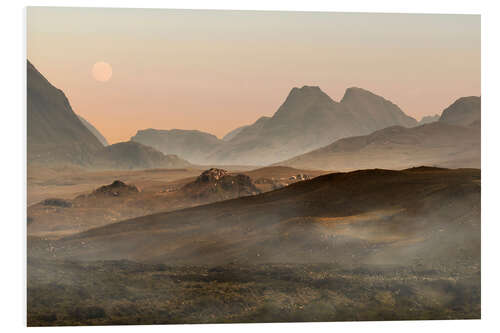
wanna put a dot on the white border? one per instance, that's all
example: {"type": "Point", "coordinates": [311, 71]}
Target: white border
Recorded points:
{"type": "Point", "coordinates": [13, 189]}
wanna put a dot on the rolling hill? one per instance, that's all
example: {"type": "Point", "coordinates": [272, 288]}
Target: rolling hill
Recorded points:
{"type": "Point", "coordinates": [134, 193]}
{"type": "Point", "coordinates": [350, 218]}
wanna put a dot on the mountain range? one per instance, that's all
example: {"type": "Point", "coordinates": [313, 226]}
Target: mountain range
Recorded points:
{"type": "Point", "coordinates": [453, 141]}
{"type": "Point", "coordinates": [308, 131]}
{"type": "Point", "coordinates": [307, 119]}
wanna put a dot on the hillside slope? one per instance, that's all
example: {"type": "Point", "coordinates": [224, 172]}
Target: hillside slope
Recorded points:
{"type": "Point", "coordinates": [349, 218]}
{"type": "Point", "coordinates": [55, 133]}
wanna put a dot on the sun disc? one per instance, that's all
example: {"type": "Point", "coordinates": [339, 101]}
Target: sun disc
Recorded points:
{"type": "Point", "coordinates": [102, 71]}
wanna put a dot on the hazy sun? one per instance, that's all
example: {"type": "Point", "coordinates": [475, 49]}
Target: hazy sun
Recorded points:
{"type": "Point", "coordinates": [102, 71]}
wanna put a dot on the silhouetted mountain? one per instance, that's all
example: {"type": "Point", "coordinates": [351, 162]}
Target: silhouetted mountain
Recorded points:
{"type": "Point", "coordinates": [94, 131]}
{"type": "Point", "coordinates": [55, 134]}
{"type": "Point", "coordinates": [464, 111]}
{"type": "Point", "coordinates": [133, 155]}
{"type": "Point", "coordinates": [189, 144]}
{"type": "Point", "coordinates": [441, 143]}
{"type": "Point", "coordinates": [309, 119]}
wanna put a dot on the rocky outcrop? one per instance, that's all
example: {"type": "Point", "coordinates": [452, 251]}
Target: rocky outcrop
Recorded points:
{"type": "Point", "coordinates": [116, 188]}
{"type": "Point", "coordinates": [221, 184]}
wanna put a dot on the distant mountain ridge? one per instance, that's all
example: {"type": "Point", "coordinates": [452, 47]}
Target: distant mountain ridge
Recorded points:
{"type": "Point", "coordinates": [309, 130]}
{"type": "Point", "coordinates": [192, 145]}
{"type": "Point", "coordinates": [133, 155]}
{"type": "Point", "coordinates": [308, 119]}
{"type": "Point", "coordinates": [453, 141]}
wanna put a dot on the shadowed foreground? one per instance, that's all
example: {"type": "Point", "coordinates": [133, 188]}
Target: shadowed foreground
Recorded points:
{"type": "Point", "coordinates": [124, 292]}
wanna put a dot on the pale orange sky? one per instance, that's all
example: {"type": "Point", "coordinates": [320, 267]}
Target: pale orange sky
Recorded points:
{"type": "Point", "coordinates": [217, 70]}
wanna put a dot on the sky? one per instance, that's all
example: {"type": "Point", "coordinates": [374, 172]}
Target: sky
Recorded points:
{"type": "Point", "coordinates": [217, 70]}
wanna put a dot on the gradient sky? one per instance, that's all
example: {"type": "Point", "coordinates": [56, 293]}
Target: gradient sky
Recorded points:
{"type": "Point", "coordinates": [217, 70]}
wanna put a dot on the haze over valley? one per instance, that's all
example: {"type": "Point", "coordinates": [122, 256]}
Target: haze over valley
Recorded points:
{"type": "Point", "coordinates": [200, 172]}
